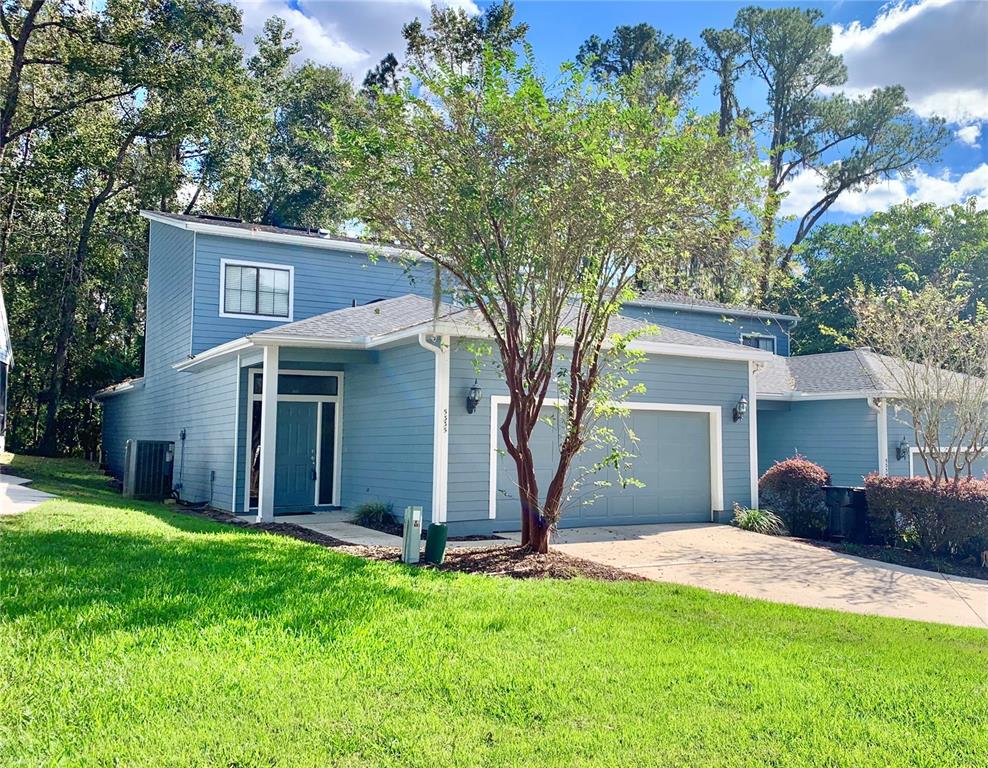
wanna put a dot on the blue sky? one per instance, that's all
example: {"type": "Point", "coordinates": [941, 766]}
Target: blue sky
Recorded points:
{"type": "Point", "coordinates": [937, 49]}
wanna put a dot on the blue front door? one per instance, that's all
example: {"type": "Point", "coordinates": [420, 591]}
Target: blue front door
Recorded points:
{"type": "Point", "coordinates": [295, 456]}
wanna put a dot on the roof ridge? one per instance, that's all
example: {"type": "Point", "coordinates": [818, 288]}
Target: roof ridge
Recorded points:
{"type": "Point", "coordinates": [864, 356]}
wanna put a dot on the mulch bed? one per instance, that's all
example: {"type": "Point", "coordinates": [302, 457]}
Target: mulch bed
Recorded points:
{"type": "Point", "coordinates": [397, 529]}
{"type": "Point", "coordinates": [514, 562]}
{"type": "Point", "coordinates": [907, 557]}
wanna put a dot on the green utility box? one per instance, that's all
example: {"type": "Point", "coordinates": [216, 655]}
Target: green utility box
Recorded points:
{"type": "Point", "coordinates": [435, 543]}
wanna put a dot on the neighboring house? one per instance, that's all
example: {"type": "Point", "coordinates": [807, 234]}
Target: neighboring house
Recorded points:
{"type": "Point", "coordinates": [6, 363]}
{"type": "Point", "coordinates": [376, 397]}
{"type": "Point", "coordinates": [839, 410]}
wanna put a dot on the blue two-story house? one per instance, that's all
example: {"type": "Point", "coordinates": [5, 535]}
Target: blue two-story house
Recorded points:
{"type": "Point", "coordinates": [298, 371]}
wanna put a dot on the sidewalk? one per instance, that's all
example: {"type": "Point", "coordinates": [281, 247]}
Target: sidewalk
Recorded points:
{"type": "Point", "coordinates": [17, 497]}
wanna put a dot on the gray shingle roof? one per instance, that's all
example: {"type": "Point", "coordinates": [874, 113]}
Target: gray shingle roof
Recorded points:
{"type": "Point", "coordinates": [367, 320]}
{"type": "Point", "coordinates": [393, 315]}
{"type": "Point", "coordinates": [667, 299]}
{"type": "Point", "coordinates": [858, 370]}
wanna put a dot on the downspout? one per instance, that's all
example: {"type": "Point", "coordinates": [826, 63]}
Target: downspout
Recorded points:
{"type": "Point", "coordinates": [880, 406]}
{"type": "Point", "coordinates": [440, 431]}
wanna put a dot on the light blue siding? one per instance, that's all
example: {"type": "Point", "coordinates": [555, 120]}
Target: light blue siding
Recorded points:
{"type": "Point", "coordinates": [387, 430]}
{"type": "Point", "coordinates": [900, 426]}
{"type": "Point", "coordinates": [718, 326]}
{"type": "Point", "coordinates": [325, 281]}
{"type": "Point", "coordinates": [666, 380]}
{"type": "Point", "coordinates": [203, 404]}
{"type": "Point", "coordinates": [839, 435]}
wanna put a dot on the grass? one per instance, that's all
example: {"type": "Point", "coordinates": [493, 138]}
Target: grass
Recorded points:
{"type": "Point", "coordinates": [131, 635]}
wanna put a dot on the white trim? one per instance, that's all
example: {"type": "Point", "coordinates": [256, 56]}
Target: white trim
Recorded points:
{"type": "Point", "coordinates": [914, 452]}
{"type": "Point", "coordinates": [192, 303]}
{"type": "Point", "coordinates": [310, 240]}
{"type": "Point", "coordinates": [447, 328]}
{"type": "Point", "coordinates": [269, 429]}
{"type": "Point", "coordinates": [440, 426]}
{"type": "Point", "coordinates": [714, 413]}
{"type": "Point", "coordinates": [236, 438]}
{"type": "Point", "coordinates": [753, 434]}
{"type": "Point", "coordinates": [119, 389]}
{"type": "Point", "coordinates": [757, 335]}
{"type": "Point", "coordinates": [811, 396]}
{"type": "Point", "coordinates": [337, 400]}
{"type": "Point", "coordinates": [224, 263]}
{"type": "Point", "coordinates": [880, 406]}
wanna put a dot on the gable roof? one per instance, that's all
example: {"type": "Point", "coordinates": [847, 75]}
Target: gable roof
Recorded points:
{"type": "Point", "coordinates": [400, 320]}
{"type": "Point", "coordinates": [245, 230]}
{"type": "Point", "coordinates": [857, 372]}
{"type": "Point", "coordinates": [667, 300]}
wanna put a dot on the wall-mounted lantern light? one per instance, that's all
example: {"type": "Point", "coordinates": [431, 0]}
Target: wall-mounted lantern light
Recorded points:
{"type": "Point", "coordinates": [741, 408]}
{"type": "Point", "coordinates": [473, 397]}
{"type": "Point", "coordinates": [902, 449]}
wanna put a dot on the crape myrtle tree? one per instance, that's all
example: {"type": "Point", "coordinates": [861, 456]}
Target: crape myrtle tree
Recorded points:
{"type": "Point", "coordinates": [544, 203]}
{"type": "Point", "coordinates": [936, 356]}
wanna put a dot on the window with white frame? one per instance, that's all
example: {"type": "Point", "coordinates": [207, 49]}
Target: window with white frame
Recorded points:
{"type": "Point", "coordinates": [253, 289]}
{"type": "Point", "coordinates": [759, 341]}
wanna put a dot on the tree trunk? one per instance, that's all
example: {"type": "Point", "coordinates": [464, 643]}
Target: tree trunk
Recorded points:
{"type": "Point", "coordinates": [766, 245]}
{"type": "Point", "coordinates": [538, 538]}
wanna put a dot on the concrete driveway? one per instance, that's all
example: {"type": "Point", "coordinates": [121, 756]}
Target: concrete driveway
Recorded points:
{"type": "Point", "coordinates": [726, 559]}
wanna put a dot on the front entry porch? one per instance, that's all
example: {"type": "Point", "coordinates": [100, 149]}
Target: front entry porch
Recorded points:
{"type": "Point", "coordinates": [308, 439]}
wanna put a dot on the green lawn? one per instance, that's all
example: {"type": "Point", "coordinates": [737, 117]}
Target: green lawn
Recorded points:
{"type": "Point", "coordinates": [134, 636]}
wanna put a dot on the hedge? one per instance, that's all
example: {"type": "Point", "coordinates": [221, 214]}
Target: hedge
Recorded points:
{"type": "Point", "coordinates": [940, 518]}
{"type": "Point", "coordinates": [793, 489]}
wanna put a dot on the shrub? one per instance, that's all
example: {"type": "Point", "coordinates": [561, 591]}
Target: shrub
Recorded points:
{"type": "Point", "coordinates": [758, 520]}
{"type": "Point", "coordinates": [793, 489]}
{"type": "Point", "coordinates": [945, 518]}
{"type": "Point", "coordinates": [373, 513]}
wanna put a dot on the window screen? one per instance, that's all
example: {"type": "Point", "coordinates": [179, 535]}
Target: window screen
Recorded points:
{"type": "Point", "coordinates": [256, 291]}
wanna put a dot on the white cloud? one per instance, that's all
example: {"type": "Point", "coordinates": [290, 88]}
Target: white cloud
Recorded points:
{"type": "Point", "coordinates": [935, 48]}
{"type": "Point", "coordinates": [970, 134]}
{"type": "Point", "coordinates": [353, 36]}
{"type": "Point", "coordinates": [942, 189]}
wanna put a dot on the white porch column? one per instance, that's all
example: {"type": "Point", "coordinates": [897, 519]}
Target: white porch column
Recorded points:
{"type": "Point", "coordinates": [753, 369]}
{"type": "Point", "coordinates": [440, 428]}
{"type": "Point", "coordinates": [269, 429]}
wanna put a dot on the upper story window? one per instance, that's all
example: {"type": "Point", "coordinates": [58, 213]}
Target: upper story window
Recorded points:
{"type": "Point", "coordinates": [256, 290]}
{"type": "Point", "coordinates": [759, 341]}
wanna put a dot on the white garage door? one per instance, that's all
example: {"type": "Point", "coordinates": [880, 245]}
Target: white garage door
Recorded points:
{"type": "Point", "coordinates": [671, 458]}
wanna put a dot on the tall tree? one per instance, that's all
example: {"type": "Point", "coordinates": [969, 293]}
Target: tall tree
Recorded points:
{"type": "Point", "coordinates": [279, 141]}
{"type": "Point", "coordinates": [452, 38]}
{"type": "Point", "coordinates": [726, 57]}
{"type": "Point", "coordinates": [909, 246]}
{"type": "Point", "coordinates": [544, 205]}
{"type": "Point", "coordinates": [669, 67]}
{"type": "Point", "coordinates": [849, 144]}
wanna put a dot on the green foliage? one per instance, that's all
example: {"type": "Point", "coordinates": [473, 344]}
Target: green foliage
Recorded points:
{"type": "Point", "coordinates": [758, 520]}
{"type": "Point", "coordinates": [849, 143]}
{"type": "Point", "coordinates": [668, 67]}
{"type": "Point", "coordinates": [373, 514]}
{"type": "Point", "coordinates": [907, 246]}
{"type": "Point", "coordinates": [546, 204]}
{"type": "Point", "coordinates": [131, 634]}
